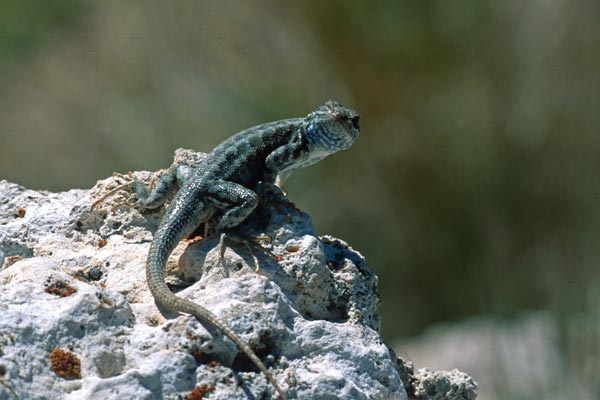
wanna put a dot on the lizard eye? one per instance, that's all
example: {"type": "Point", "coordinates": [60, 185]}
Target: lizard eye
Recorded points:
{"type": "Point", "coordinates": [355, 122]}
{"type": "Point", "coordinates": [339, 118]}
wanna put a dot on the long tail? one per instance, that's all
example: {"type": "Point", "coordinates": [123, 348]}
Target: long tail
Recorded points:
{"type": "Point", "coordinates": [157, 259]}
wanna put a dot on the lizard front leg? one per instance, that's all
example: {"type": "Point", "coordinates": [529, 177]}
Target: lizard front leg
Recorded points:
{"type": "Point", "coordinates": [283, 160]}
{"type": "Point", "coordinates": [278, 166]}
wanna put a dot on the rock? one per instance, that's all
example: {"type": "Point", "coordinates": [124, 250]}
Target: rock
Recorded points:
{"type": "Point", "coordinates": [73, 285]}
{"type": "Point", "coordinates": [436, 385]}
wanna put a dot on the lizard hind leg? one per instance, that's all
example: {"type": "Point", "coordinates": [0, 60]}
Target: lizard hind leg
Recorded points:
{"type": "Point", "coordinates": [161, 189]}
{"type": "Point", "coordinates": [130, 181]}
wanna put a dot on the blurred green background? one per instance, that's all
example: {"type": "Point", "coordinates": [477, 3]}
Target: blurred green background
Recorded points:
{"type": "Point", "coordinates": [473, 190]}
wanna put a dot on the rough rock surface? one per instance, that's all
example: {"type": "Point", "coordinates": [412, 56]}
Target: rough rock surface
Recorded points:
{"type": "Point", "coordinates": [78, 322]}
{"type": "Point", "coordinates": [424, 383]}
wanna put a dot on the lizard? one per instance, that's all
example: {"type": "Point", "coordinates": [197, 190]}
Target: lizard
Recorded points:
{"type": "Point", "coordinates": [227, 186]}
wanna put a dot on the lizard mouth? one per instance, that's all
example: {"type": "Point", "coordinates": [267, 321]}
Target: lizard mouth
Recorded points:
{"type": "Point", "coordinates": [356, 122]}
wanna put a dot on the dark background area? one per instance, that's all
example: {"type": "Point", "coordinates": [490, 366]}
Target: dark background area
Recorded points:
{"type": "Point", "coordinates": [472, 191]}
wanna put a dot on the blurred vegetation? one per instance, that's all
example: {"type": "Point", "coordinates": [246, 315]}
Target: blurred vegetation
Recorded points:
{"type": "Point", "coordinates": [26, 25]}
{"type": "Point", "coordinates": [473, 189]}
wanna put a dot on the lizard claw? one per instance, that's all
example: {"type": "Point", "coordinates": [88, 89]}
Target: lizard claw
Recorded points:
{"type": "Point", "coordinates": [129, 182]}
{"type": "Point", "coordinates": [280, 203]}
{"type": "Point", "coordinates": [276, 197]}
{"type": "Point", "coordinates": [250, 243]}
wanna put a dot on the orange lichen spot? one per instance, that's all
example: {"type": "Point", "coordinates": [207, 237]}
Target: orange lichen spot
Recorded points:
{"type": "Point", "coordinates": [65, 364]}
{"type": "Point", "coordinates": [60, 288]}
{"type": "Point", "coordinates": [10, 260]}
{"type": "Point", "coordinates": [213, 364]}
{"type": "Point", "coordinates": [102, 243]}
{"type": "Point", "coordinates": [193, 239]}
{"type": "Point", "coordinates": [292, 248]}
{"type": "Point", "coordinates": [20, 212]}
{"type": "Point", "coordinates": [197, 354]}
{"type": "Point", "coordinates": [199, 391]}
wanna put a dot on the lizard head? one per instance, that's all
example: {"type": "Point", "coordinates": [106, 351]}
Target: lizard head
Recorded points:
{"type": "Point", "coordinates": [332, 127]}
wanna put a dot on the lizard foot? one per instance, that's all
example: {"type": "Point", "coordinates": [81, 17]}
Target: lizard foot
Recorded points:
{"type": "Point", "coordinates": [129, 182]}
{"type": "Point", "coordinates": [250, 244]}
{"type": "Point", "coordinates": [277, 198]}
{"type": "Point", "coordinates": [141, 192]}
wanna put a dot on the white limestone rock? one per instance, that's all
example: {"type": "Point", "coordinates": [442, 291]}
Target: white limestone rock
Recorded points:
{"type": "Point", "coordinates": [72, 278]}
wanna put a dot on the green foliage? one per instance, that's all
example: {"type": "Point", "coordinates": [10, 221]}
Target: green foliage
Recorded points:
{"type": "Point", "coordinates": [484, 137]}
{"type": "Point", "coordinates": [24, 25]}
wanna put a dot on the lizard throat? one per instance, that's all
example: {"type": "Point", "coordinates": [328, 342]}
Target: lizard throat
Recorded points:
{"type": "Point", "coordinates": [328, 139]}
